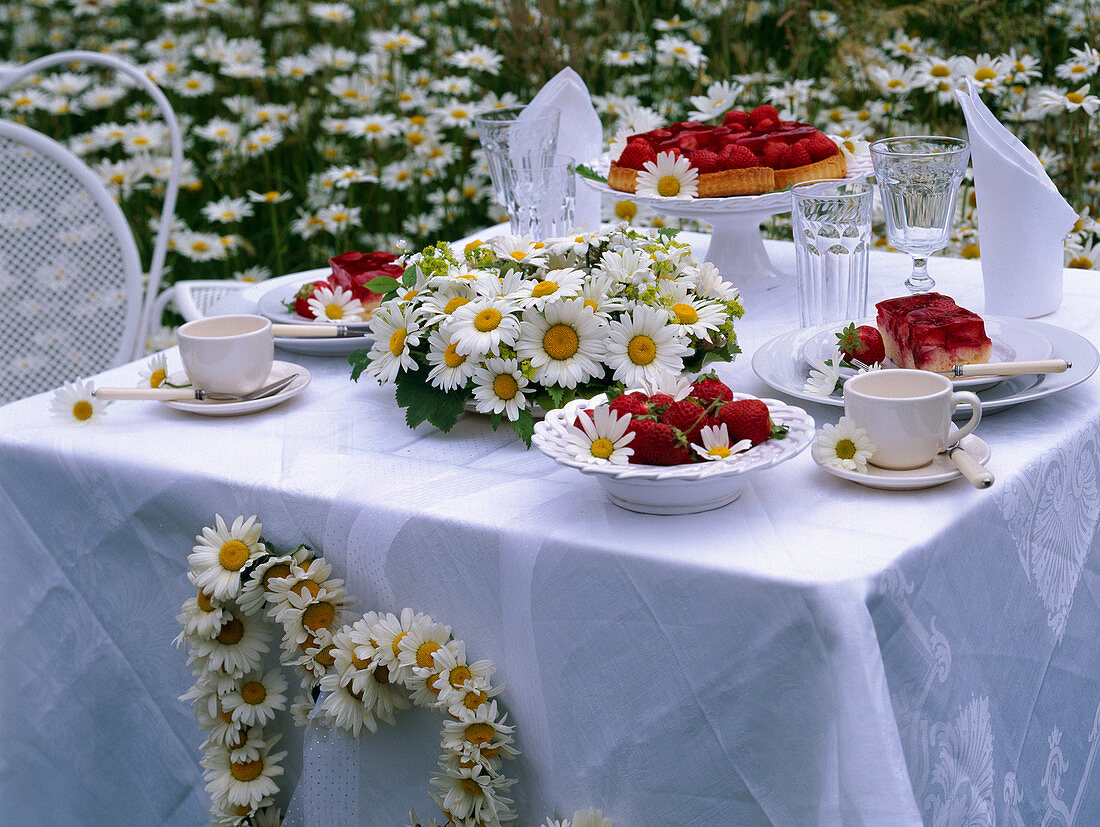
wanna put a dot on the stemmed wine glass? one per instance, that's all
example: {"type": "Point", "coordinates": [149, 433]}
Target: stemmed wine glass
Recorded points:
{"type": "Point", "coordinates": [918, 179]}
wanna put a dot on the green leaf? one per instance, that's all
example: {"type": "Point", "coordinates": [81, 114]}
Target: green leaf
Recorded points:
{"type": "Point", "coordinates": [423, 401]}
{"type": "Point", "coordinates": [556, 394]}
{"type": "Point", "coordinates": [358, 359]}
{"type": "Point", "coordinates": [524, 426]}
{"type": "Point", "coordinates": [588, 172]}
{"type": "Point", "coordinates": [667, 232]}
{"type": "Point", "coordinates": [382, 284]}
{"type": "Point", "coordinates": [408, 278]}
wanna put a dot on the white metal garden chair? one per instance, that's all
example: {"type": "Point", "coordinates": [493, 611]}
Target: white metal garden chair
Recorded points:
{"type": "Point", "coordinates": [75, 297]}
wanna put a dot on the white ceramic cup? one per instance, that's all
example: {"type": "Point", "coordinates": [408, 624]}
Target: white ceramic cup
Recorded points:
{"type": "Point", "coordinates": [227, 354]}
{"type": "Point", "coordinates": [907, 414]}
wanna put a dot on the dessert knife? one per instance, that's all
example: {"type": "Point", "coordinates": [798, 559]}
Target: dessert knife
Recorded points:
{"type": "Point", "coordinates": [176, 394]}
{"type": "Point", "coordinates": [317, 331]}
{"type": "Point", "coordinates": [974, 471]}
{"type": "Point", "coordinates": [1009, 368]}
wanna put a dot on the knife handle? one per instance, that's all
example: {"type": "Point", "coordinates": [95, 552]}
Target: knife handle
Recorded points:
{"type": "Point", "coordinates": [307, 331]}
{"type": "Point", "coordinates": [975, 472]}
{"type": "Point", "coordinates": [163, 394]}
{"type": "Point", "coordinates": [1013, 368]}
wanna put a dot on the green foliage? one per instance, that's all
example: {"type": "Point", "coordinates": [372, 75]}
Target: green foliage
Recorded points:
{"type": "Point", "coordinates": [423, 402]}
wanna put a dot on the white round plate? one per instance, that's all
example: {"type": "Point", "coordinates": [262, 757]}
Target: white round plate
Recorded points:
{"type": "Point", "coordinates": [1011, 343]}
{"type": "Point", "coordinates": [209, 407]}
{"type": "Point", "coordinates": [770, 203]}
{"type": "Point", "coordinates": [676, 489]}
{"type": "Point", "coordinates": [269, 297]}
{"type": "Point", "coordinates": [940, 470]}
{"type": "Point", "coordinates": [779, 362]}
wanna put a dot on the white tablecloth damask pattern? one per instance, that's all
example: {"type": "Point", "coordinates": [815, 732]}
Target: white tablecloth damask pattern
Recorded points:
{"type": "Point", "coordinates": [814, 653]}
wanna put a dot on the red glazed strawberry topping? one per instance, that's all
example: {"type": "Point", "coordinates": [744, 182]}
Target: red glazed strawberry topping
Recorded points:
{"type": "Point", "coordinates": [636, 154]}
{"type": "Point", "coordinates": [796, 155]}
{"type": "Point", "coordinates": [763, 113]}
{"type": "Point", "coordinates": [704, 160]}
{"type": "Point", "coordinates": [736, 118]}
{"type": "Point", "coordinates": [773, 153]}
{"type": "Point", "coordinates": [821, 148]}
{"type": "Point", "coordinates": [738, 157]}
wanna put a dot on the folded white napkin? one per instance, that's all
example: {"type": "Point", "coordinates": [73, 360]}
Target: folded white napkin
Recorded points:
{"type": "Point", "coordinates": [580, 134]}
{"type": "Point", "coordinates": [1022, 219]}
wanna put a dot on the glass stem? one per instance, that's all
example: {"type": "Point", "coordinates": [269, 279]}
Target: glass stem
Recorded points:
{"type": "Point", "coordinates": [919, 281]}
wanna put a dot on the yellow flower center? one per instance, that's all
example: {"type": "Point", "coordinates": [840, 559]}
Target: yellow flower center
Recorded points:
{"type": "Point", "coordinates": [233, 555]}
{"type": "Point", "coordinates": [248, 771]}
{"type": "Point", "coordinates": [519, 255]}
{"type": "Point", "coordinates": [82, 410]}
{"type": "Point", "coordinates": [359, 663]}
{"type": "Point", "coordinates": [642, 350]}
{"type": "Point", "coordinates": [231, 632]}
{"type": "Point", "coordinates": [455, 303]}
{"type": "Point", "coordinates": [204, 601]}
{"type": "Point", "coordinates": [424, 653]}
{"type": "Point", "coordinates": [685, 313]}
{"type": "Point", "coordinates": [253, 692]}
{"type": "Point", "coordinates": [668, 186]}
{"type": "Point", "coordinates": [382, 674]}
{"type": "Point", "coordinates": [895, 83]}
{"type": "Point", "coordinates": [318, 616]}
{"type": "Point", "coordinates": [271, 196]}
{"type": "Point", "coordinates": [306, 586]}
{"type": "Point", "coordinates": [474, 699]}
{"type": "Point", "coordinates": [591, 305]}
{"type": "Point", "coordinates": [278, 570]}
{"type": "Point", "coordinates": [480, 733]}
{"type": "Point", "coordinates": [719, 451]}
{"type": "Point", "coordinates": [626, 210]}
{"type": "Point", "coordinates": [560, 342]}
{"type": "Point", "coordinates": [157, 378]}
{"type": "Point", "coordinates": [1079, 263]}
{"type": "Point", "coordinates": [397, 341]}
{"type": "Point", "coordinates": [473, 245]}
{"type": "Point", "coordinates": [603, 448]}
{"type": "Point", "coordinates": [451, 357]}
{"type": "Point", "coordinates": [488, 319]}
{"type": "Point", "coordinates": [845, 448]}
{"type": "Point", "coordinates": [327, 656]}
{"type": "Point", "coordinates": [415, 138]}
{"type": "Point", "coordinates": [544, 288]}
{"type": "Point", "coordinates": [985, 73]}
{"type": "Point", "coordinates": [505, 386]}
{"type": "Point", "coordinates": [1075, 97]}
{"type": "Point", "coordinates": [459, 675]}
{"type": "Point", "coordinates": [397, 644]}
{"type": "Point", "coordinates": [334, 311]}
{"type": "Point", "coordinates": [970, 251]}
{"type": "Point", "coordinates": [471, 786]}
{"type": "Point", "coordinates": [411, 295]}
{"type": "Point", "coordinates": [1077, 69]}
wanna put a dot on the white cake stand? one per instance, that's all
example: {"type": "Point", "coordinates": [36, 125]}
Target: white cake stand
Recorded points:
{"type": "Point", "coordinates": [736, 248]}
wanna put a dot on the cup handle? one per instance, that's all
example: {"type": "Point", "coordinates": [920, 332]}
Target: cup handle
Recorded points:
{"type": "Point", "coordinates": [959, 397]}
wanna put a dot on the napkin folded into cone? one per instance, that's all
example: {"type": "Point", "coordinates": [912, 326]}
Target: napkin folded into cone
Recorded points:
{"type": "Point", "coordinates": [580, 134]}
{"type": "Point", "coordinates": [1022, 218]}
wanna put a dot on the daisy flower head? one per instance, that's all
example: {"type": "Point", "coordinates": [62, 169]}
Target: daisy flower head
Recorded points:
{"type": "Point", "coordinates": [481, 326]}
{"type": "Point", "coordinates": [257, 698]}
{"type": "Point", "coordinates": [255, 590]}
{"type": "Point", "coordinates": [386, 634]}
{"type": "Point", "coordinates": [520, 249]}
{"type": "Point", "coordinates": [716, 445]}
{"type": "Point", "coordinates": [844, 445]}
{"type": "Point", "coordinates": [643, 346]}
{"type": "Point", "coordinates": [696, 317]}
{"type": "Point", "coordinates": [237, 649]}
{"type": "Point", "coordinates": [478, 732]}
{"type": "Point", "coordinates": [423, 638]}
{"type": "Point", "coordinates": [243, 784]}
{"type": "Point", "coordinates": [396, 328]}
{"type": "Point", "coordinates": [628, 267]}
{"type": "Point", "coordinates": [591, 817]}
{"type": "Point", "coordinates": [564, 341]}
{"type": "Point", "coordinates": [670, 176]}
{"type": "Point", "coordinates": [76, 403]}
{"type": "Point", "coordinates": [601, 439]}
{"type": "Point", "coordinates": [554, 284]}
{"type": "Point", "coordinates": [155, 372]}
{"type": "Point", "coordinates": [222, 553]}
{"type": "Point", "coordinates": [455, 676]}
{"type": "Point", "coordinates": [823, 377]}
{"type": "Point", "coordinates": [334, 305]}
{"type": "Point", "coordinates": [500, 387]}
{"type": "Point", "coordinates": [670, 384]}
{"type": "Point", "coordinates": [346, 708]}
{"type": "Point", "coordinates": [450, 369]}
{"type": "Point", "coordinates": [200, 617]}
{"type": "Point", "coordinates": [470, 794]}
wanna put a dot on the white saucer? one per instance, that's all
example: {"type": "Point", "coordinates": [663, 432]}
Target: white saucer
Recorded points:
{"type": "Point", "coordinates": [269, 302]}
{"type": "Point", "coordinates": [940, 470]}
{"type": "Point", "coordinates": [207, 407]}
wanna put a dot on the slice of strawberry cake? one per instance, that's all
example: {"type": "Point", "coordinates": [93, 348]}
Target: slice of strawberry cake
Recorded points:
{"type": "Point", "coordinates": [930, 332]}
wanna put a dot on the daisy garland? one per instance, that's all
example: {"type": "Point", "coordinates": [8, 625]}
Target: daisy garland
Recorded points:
{"type": "Point", "coordinates": [354, 674]}
{"type": "Point", "coordinates": [516, 324]}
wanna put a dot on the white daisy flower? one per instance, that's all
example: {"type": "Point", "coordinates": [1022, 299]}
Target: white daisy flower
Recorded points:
{"type": "Point", "coordinates": [628, 267]}
{"type": "Point", "coordinates": [670, 177]}
{"type": "Point", "coordinates": [483, 731]}
{"type": "Point", "coordinates": [597, 293]}
{"type": "Point", "coordinates": [450, 369]}
{"type": "Point", "coordinates": [257, 698]}
{"type": "Point", "coordinates": [76, 403]}
{"type": "Point", "coordinates": [565, 343]}
{"type": "Point", "coordinates": [386, 633]}
{"type": "Point", "coordinates": [455, 676]}
{"type": "Point", "coordinates": [642, 346]}
{"type": "Point", "coordinates": [345, 708]}
{"type": "Point", "coordinates": [591, 817]}
{"type": "Point", "coordinates": [254, 591]}
{"type": "Point", "coordinates": [553, 285]}
{"type": "Point", "coordinates": [500, 387]}
{"type": "Point", "coordinates": [200, 617]}
{"type": "Point", "coordinates": [696, 317]}
{"type": "Point", "coordinates": [222, 552]}
{"type": "Point", "coordinates": [423, 638]}
{"type": "Point", "coordinates": [395, 328]}
{"type": "Point", "coordinates": [670, 384]}
{"type": "Point", "coordinates": [601, 439]}
{"type": "Point", "coordinates": [155, 372]}
{"type": "Point", "coordinates": [236, 650]}
{"type": "Point", "coordinates": [448, 295]}
{"type": "Point", "coordinates": [844, 445]}
{"type": "Point", "coordinates": [823, 377]}
{"type": "Point", "coordinates": [304, 615]}
{"type": "Point", "coordinates": [247, 746]}
{"type": "Point", "coordinates": [519, 249]}
{"type": "Point", "coordinates": [301, 711]}
{"type": "Point", "coordinates": [470, 794]}
{"type": "Point", "coordinates": [489, 284]}
{"type": "Point", "coordinates": [716, 444]}
{"type": "Point", "coordinates": [220, 728]}
{"type": "Point", "coordinates": [334, 305]}
{"type": "Point", "coordinates": [481, 326]}
{"type": "Point", "coordinates": [243, 784]}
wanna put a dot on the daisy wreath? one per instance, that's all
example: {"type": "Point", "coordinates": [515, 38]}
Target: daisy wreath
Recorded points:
{"type": "Point", "coordinates": [354, 674]}
{"type": "Point", "coordinates": [515, 323]}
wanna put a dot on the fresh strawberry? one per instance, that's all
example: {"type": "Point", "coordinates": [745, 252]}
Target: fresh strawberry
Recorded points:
{"type": "Point", "coordinates": [708, 388]}
{"type": "Point", "coordinates": [659, 401]}
{"type": "Point", "coordinates": [765, 125]}
{"type": "Point", "coordinates": [735, 156]}
{"type": "Point", "coordinates": [636, 154]}
{"type": "Point", "coordinates": [688, 142]}
{"type": "Point", "coordinates": [645, 438]}
{"type": "Point", "coordinates": [748, 419]}
{"type": "Point", "coordinates": [736, 118]}
{"type": "Point", "coordinates": [796, 155]}
{"type": "Point", "coordinates": [687, 417]}
{"type": "Point", "coordinates": [667, 446]}
{"type": "Point", "coordinates": [763, 113]}
{"type": "Point", "coordinates": [591, 412]}
{"type": "Point", "coordinates": [821, 148]}
{"type": "Point", "coordinates": [301, 298]}
{"type": "Point", "coordinates": [773, 153]}
{"type": "Point", "coordinates": [704, 160]}
{"type": "Point", "coordinates": [863, 343]}
{"type": "Point", "coordinates": [630, 403]}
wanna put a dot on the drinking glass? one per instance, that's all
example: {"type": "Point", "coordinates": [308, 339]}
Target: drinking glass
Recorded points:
{"type": "Point", "coordinates": [541, 199]}
{"type": "Point", "coordinates": [511, 137]}
{"type": "Point", "coordinates": [918, 179]}
{"type": "Point", "coordinates": [832, 235]}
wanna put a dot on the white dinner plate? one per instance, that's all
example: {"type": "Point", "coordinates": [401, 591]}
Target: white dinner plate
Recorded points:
{"type": "Point", "coordinates": [779, 362]}
{"type": "Point", "coordinates": [210, 407]}
{"type": "Point", "coordinates": [269, 297]}
{"type": "Point", "coordinates": [1012, 342]}
{"type": "Point", "coordinates": [940, 470]}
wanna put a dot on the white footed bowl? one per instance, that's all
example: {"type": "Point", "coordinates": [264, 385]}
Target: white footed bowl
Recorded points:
{"type": "Point", "coordinates": [676, 489]}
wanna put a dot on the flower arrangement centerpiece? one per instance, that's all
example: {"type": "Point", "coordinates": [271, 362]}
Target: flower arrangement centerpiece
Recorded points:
{"type": "Point", "coordinates": [513, 324]}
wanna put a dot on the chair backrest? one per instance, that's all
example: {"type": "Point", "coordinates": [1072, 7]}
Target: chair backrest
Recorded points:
{"type": "Point", "coordinates": [76, 298]}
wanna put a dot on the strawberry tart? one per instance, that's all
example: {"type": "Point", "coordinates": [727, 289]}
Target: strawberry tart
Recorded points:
{"type": "Point", "coordinates": [930, 332]}
{"type": "Point", "coordinates": [749, 154]}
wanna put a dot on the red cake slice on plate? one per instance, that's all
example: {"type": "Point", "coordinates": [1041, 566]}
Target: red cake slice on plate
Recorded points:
{"type": "Point", "coordinates": [929, 331]}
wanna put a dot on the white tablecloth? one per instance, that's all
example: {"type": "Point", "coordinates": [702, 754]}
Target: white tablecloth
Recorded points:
{"type": "Point", "coordinates": [814, 653]}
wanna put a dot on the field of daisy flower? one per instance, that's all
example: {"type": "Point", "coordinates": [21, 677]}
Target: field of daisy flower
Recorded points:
{"type": "Point", "coordinates": [313, 128]}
